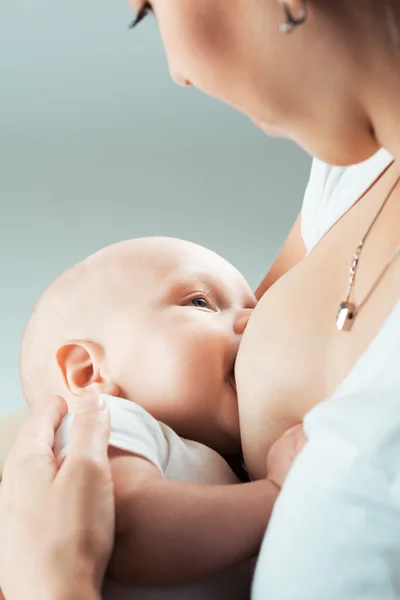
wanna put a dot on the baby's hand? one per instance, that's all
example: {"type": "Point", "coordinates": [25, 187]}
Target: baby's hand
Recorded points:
{"type": "Point", "coordinates": [283, 452]}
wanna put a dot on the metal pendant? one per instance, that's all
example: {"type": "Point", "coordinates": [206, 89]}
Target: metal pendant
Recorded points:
{"type": "Point", "coordinates": [345, 316]}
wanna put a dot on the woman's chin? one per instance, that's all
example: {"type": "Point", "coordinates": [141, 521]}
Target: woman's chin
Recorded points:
{"type": "Point", "coordinates": [271, 130]}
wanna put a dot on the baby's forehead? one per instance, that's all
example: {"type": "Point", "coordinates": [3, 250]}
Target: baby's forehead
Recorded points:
{"type": "Point", "coordinates": [186, 262]}
{"type": "Point", "coordinates": [155, 268]}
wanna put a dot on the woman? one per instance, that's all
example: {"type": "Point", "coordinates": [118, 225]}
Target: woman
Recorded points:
{"type": "Point", "coordinates": [325, 74]}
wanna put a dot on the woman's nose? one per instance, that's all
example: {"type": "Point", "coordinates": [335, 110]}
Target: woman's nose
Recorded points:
{"type": "Point", "coordinates": [180, 80]}
{"type": "Point", "coordinates": [241, 320]}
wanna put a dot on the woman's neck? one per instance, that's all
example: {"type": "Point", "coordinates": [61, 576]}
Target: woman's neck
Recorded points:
{"type": "Point", "coordinates": [375, 52]}
{"type": "Point", "coordinates": [383, 107]}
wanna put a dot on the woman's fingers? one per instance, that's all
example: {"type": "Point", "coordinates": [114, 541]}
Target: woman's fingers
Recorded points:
{"type": "Point", "coordinates": [90, 431]}
{"type": "Point", "coordinates": [62, 517]}
{"type": "Point", "coordinates": [41, 427]}
{"type": "Point", "coordinates": [91, 497]}
{"type": "Point", "coordinates": [33, 450]}
{"type": "Point", "coordinates": [87, 458]}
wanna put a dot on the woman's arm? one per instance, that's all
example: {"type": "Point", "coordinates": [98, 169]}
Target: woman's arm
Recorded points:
{"type": "Point", "coordinates": [292, 252]}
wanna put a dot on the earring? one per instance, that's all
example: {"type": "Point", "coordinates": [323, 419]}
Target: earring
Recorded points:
{"type": "Point", "coordinates": [292, 22]}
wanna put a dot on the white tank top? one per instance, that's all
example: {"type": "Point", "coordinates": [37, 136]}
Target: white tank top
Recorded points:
{"type": "Point", "coordinates": [331, 191]}
{"type": "Point", "coordinates": [335, 529]}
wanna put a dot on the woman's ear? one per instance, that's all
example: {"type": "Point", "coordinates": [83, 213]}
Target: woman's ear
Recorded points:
{"type": "Point", "coordinates": [296, 7]}
{"type": "Point", "coordinates": [82, 367]}
{"type": "Point", "coordinates": [294, 14]}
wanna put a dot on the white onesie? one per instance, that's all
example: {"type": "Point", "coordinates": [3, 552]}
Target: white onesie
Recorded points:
{"type": "Point", "coordinates": [133, 429]}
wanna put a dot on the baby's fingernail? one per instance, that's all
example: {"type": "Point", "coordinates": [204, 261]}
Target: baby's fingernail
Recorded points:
{"type": "Point", "coordinates": [90, 403]}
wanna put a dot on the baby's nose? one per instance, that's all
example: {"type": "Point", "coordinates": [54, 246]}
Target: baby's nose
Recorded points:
{"type": "Point", "coordinates": [241, 320]}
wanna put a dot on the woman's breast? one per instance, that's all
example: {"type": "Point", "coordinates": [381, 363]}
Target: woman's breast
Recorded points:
{"type": "Point", "coordinates": [292, 355]}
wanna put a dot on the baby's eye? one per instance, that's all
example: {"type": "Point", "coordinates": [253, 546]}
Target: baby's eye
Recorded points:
{"type": "Point", "coordinates": [200, 303]}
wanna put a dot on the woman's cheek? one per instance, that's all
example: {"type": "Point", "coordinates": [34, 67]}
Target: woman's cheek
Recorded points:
{"type": "Point", "coordinates": [198, 42]}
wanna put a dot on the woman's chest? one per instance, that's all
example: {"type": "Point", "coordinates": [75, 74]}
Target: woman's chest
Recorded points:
{"type": "Point", "coordinates": [292, 354]}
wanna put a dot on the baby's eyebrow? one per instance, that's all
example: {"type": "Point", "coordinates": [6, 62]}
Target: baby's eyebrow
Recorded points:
{"type": "Point", "coordinates": [198, 278]}
{"type": "Point", "coordinates": [185, 282]}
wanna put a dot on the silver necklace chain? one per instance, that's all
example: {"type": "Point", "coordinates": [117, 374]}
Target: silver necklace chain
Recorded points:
{"type": "Point", "coordinates": [347, 310]}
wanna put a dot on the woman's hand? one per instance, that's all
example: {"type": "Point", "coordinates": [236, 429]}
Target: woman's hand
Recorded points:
{"type": "Point", "coordinates": [57, 525]}
{"type": "Point", "coordinates": [283, 452]}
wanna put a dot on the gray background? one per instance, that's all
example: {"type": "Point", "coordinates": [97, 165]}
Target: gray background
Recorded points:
{"type": "Point", "coordinates": [98, 145]}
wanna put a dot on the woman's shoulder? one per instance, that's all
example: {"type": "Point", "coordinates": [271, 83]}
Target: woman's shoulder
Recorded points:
{"type": "Point", "coordinates": [331, 191]}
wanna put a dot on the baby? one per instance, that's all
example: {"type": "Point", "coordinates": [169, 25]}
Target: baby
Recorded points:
{"type": "Point", "coordinates": [154, 326]}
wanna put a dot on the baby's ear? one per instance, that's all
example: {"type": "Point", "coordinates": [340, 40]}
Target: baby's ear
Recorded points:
{"type": "Point", "coordinates": [82, 367]}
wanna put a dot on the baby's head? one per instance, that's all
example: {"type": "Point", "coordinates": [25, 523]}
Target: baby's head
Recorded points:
{"type": "Point", "coordinates": [157, 321]}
